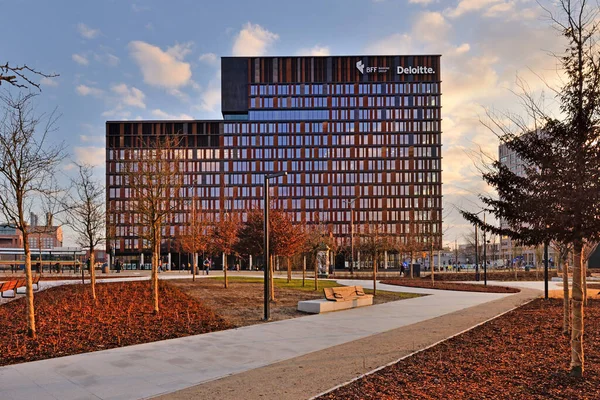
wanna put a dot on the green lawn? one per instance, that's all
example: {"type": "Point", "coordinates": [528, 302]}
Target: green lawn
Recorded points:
{"type": "Point", "coordinates": [296, 284]}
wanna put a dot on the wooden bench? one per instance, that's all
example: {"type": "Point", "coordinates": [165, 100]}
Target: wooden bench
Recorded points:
{"type": "Point", "coordinates": [343, 293]}
{"type": "Point", "coordinates": [337, 298]}
{"type": "Point", "coordinates": [14, 285]}
{"type": "Point", "coordinates": [10, 286]}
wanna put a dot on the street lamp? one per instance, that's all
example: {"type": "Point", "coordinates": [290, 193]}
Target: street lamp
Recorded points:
{"type": "Point", "coordinates": [546, 270]}
{"type": "Point", "coordinates": [350, 203]}
{"type": "Point", "coordinates": [267, 308]}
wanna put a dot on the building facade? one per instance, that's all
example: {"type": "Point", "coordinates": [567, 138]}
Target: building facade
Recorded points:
{"type": "Point", "coordinates": [342, 127]}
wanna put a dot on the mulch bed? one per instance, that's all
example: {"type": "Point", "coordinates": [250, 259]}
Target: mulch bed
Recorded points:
{"type": "Point", "coordinates": [521, 355]}
{"type": "Point", "coordinates": [68, 322]}
{"type": "Point", "coordinates": [494, 276]}
{"type": "Point", "coordinates": [66, 277]}
{"type": "Point", "coordinates": [457, 286]}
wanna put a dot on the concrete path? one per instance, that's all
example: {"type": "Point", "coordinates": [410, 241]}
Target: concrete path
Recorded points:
{"type": "Point", "coordinates": [152, 369]}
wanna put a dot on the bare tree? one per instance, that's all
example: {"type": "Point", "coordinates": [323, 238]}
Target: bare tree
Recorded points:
{"type": "Point", "coordinates": [223, 239]}
{"type": "Point", "coordinates": [196, 236]}
{"type": "Point", "coordinates": [21, 75]}
{"type": "Point", "coordinates": [27, 164]}
{"type": "Point", "coordinates": [155, 180]}
{"type": "Point", "coordinates": [86, 215]}
{"type": "Point", "coordinates": [373, 242]}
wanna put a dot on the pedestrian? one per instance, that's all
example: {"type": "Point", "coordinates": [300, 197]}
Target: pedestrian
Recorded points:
{"type": "Point", "coordinates": [402, 270]}
{"type": "Point", "coordinates": [207, 266]}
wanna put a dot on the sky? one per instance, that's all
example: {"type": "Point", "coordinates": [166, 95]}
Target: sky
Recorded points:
{"type": "Point", "coordinates": [120, 59]}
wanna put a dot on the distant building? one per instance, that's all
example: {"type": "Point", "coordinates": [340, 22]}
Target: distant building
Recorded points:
{"type": "Point", "coordinates": [44, 236]}
{"type": "Point", "coordinates": [10, 237]}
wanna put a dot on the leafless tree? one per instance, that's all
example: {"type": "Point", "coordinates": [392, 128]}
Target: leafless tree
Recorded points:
{"type": "Point", "coordinates": [86, 214]}
{"type": "Point", "coordinates": [27, 164]}
{"type": "Point", "coordinates": [155, 180]}
{"type": "Point", "coordinates": [21, 75]}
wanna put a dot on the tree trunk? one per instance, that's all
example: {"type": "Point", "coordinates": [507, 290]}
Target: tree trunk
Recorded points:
{"type": "Point", "coordinates": [431, 266]}
{"type": "Point", "coordinates": [289, 270]}
{"type": "Point", "coordinates": [411, 264]}
{"type": "Point", "coordinates": [92, 272]}
{"type": "Point", "coordinates": [566, 311]}
{"type": "Point", "coordinates": [154, 277]}
{"type": "Point", "coordinates": [577, 360]}
{"type": "Point", "coordinates": [29, 289]}
{"type": "Point", "coordinates": [225, 270]}
{"type": "Point", "coordinates": [194, 266]}
{"type": "Point", "coordinates": [316, 272]}
{"type": "Point", "coordinates": [303, 270]}
{"type": "Point", "coordinates": [271, 278]}
{"type": "Point", "coordinates": [375, 275]}
{"type": "Point", "coordinates": [584, 280]}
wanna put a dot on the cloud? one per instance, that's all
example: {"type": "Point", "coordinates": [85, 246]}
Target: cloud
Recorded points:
{"type": "Point", "coordinates": [91, 155]}
{"type": "Point", "coordinates": [467, 6]}
{"type": "Point", "coordinates": [129, 96]}
{"type": "Point", "coordinates": [253, 40]}
{"type": "Point", "coordinates": [209, 58]}
{"type": "Point", "coordinates": [160, 68]}
{"type": "Point", "coordinates": [423, 2]}
{"type": "Point", "coordinates": [86, 32]}
{"type": "Point", "coordinates": [117, 113]}
{"type": "Point", "coordinates": [80, 59]}
{"type": "Point", "coordinates": [53, 82]}
{"type": "Point", "coordinates": [107, 58]}
{"type": "Point", "coordinates": [431, 27]}
{"type": "Point", "coordinates": [163, 115]}
{"type": "Point", "coordinates": [317, 50]}
{"type": "Point", "coordinates": [92, 139]}
{"type": "Point", "coordinates": [84, 90]}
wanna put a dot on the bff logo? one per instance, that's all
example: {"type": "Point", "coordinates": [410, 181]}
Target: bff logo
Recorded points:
{"type": "Point", "coordinates": [360, 66]}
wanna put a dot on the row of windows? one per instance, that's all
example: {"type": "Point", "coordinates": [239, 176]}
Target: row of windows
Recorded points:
{"type": "Point", "coordinates": [330, 127]}
{"type": "Point", "coordinates": [242, 142]}
{"type": "Point", "coordinates": [331, 89]}
{"type": "Point", "coordinates": [362, 114]}
{"type": "Point", "coordinates": [344, 102]}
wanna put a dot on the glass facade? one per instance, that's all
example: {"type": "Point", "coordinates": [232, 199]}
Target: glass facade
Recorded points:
{"type": "Point", "coordinates": [338, 132]}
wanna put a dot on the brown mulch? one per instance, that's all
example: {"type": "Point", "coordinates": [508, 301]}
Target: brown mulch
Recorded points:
{"type": "Point", "coordinates": [456, 286]}
{"type": "Point", "coordinates": [494, 276]}
{"type": "Point", "coordinates": [68, 322]}
{"type": "Point", "coordinates": [520, 355]}
{"type": "Point", "coordinates": [242, 303]}
{"type": "Point", "coordinates": [65, 277]}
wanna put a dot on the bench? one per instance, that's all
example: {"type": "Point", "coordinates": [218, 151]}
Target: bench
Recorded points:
{"type": "Point", "coordinates": [337, 298]}
{"type": "Point", "coordinates": [14, 285]}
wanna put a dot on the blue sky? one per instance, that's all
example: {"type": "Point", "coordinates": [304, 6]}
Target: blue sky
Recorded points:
{"type": "Point", "coordinates": [157, 59]}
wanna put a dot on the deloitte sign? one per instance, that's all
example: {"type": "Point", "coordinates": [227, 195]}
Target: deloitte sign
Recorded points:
{"type": "Point", "coordinates": [415, 70]}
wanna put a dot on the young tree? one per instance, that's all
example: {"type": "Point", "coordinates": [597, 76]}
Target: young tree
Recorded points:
{"type": "Point", "coordinates": [373, 242]}
{"type": "Point", "coordinates": [196, 236]}
{"type": "Point", "coordinates": [86, 214]}
{"type": "Point", "coordinates": [27, 164]}
{"type": "Point", "coordinates": [288, 236]}
{"type": "Point", "coordinates": [559, 196]}
{"type": "Point", "coordinates": [224, 235]}
{"type": "Point", "coordinates": [155, 180]}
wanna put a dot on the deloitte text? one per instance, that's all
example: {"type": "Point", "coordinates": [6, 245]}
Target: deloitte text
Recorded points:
{"type": "Point", "coordinates": [415, 70]}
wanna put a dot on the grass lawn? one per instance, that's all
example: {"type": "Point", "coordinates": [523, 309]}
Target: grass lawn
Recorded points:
{"type": "Point", "coordinates": [242, 303]}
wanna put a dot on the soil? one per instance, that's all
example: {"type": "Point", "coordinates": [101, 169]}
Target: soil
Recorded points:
{"type": "Point", "coordinates": [242, 303]}
{"type": "Point", "coordinates": [520, 355]}
{"type": "Point", "coordinates": [456, 286]}
{"type": "Point", "coordinates": [68, 322]}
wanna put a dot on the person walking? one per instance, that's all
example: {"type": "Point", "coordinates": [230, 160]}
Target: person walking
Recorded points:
{"type": "Point", "coordinates": [207, 266]}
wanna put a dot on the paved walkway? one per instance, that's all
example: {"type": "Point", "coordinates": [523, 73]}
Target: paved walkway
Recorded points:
{"type": "Point", "coordinates": [152, 369]}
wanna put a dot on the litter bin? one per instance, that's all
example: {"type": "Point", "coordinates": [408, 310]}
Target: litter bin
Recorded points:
{"type": "Point", "coordinates": [416, 270]}
{"type": "Point", "coordinates": [105, 269]}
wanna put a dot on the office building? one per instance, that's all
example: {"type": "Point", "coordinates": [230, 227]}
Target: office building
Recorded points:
{"type": "Point", "coordinates": [342, 127]}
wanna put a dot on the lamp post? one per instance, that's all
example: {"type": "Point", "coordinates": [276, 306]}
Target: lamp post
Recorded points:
{"type": "Point", "coordinates": [350, 203]}
{"type": "Point", "coordinates": [267, 305]}
{"type": "Point", "coordinates": [485, 242]}
{"type": "Point", "coordinates": [546, 270]}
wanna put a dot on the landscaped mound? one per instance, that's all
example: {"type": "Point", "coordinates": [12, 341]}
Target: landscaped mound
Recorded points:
{"type": "Point", "coordinates": [460, 287]}
{"type": "Point", "coordinates": [68, 322]}
{"type": "Point", "coordinates": [521, 355]}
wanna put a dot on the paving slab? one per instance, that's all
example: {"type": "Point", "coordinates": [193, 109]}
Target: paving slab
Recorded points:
{"type": "Point", "coordinates": [152, 369]}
